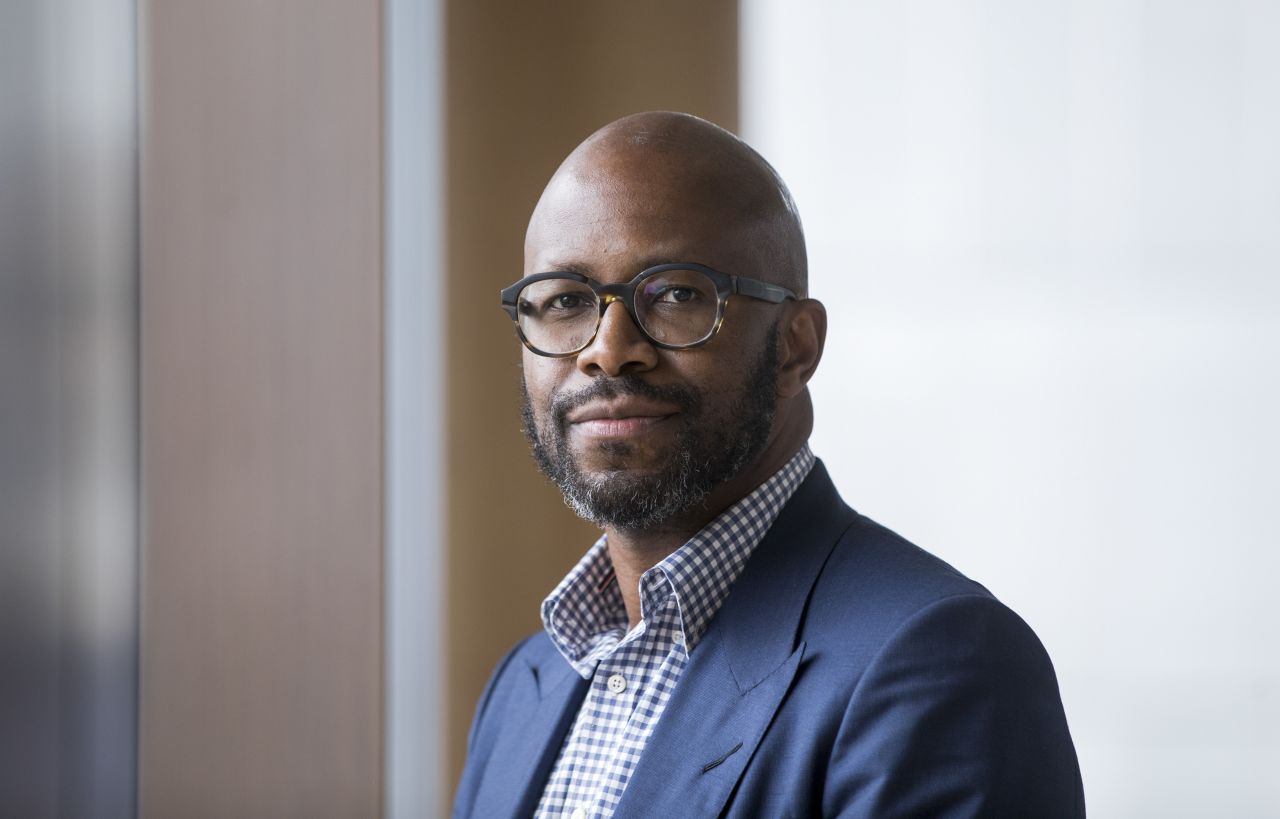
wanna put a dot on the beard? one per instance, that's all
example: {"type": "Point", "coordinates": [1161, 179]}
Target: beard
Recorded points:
{"type": "Point", "coordinates": [710, 448]}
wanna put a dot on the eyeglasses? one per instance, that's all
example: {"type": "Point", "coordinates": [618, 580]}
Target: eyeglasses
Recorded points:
{"type": "Point", "coordinates": [676, 306]}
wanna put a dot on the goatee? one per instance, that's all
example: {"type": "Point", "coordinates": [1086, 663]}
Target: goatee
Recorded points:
{"type": "Point", "coordinates": [707, 450]}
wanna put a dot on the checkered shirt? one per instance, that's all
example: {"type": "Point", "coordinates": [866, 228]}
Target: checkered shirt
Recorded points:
{"type": "Point", "coordinates": [633, 673]}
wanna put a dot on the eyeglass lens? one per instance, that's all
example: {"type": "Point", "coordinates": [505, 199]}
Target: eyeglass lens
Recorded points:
{"type": "Point", "coordinates": [673, 307]}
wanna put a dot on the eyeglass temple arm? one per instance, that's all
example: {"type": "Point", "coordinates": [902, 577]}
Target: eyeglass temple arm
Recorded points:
{"type": "Point", "coordinates": [757, 289]}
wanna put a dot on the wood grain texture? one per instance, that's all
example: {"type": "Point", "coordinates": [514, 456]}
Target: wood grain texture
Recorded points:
{"type": "Point", "coordinates": [261, 605]}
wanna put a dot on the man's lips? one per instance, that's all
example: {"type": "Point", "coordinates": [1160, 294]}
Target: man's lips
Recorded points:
{"type": "Point", "coordinates": [619, 419]}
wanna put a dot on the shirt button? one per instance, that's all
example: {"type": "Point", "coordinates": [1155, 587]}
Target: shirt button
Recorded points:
{"type": "Point", "coordinates": [617, 684]}
{"type": "Point", "coordinates": [678, 638]}
{"type": "Point", "coordinates": [578, 813]}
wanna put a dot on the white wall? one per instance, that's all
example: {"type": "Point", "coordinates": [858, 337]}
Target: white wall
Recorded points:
{"type": "Point", "coordinates": [1048, 235]}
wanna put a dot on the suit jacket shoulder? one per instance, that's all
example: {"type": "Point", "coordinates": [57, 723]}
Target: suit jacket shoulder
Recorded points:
{"type": "Point", "coordinates": [848, 673]}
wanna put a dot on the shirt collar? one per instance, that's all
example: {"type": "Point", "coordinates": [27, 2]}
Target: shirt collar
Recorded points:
{"type": "Point", "coordinates": [585, 616]}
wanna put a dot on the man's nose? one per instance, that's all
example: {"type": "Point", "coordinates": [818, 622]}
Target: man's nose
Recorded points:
{"type": "Point", "coordinates": [619, 346]}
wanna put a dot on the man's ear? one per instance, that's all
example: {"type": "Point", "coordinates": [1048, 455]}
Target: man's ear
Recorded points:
{"type": "Point", "coordinates": [802, 336]}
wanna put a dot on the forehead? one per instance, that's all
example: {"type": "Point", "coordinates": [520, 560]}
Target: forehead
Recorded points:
{"type": "Point", "coordinates": [613, 223]}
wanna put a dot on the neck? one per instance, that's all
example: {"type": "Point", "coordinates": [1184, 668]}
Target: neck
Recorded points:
{"type": "Point", "coordinates": [635, 552]}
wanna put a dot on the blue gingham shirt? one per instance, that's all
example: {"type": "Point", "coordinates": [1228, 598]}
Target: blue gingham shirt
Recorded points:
{"type": "Point", "coordinates": [633, 672]}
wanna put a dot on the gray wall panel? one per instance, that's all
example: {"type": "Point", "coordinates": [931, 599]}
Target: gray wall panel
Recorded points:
{"type": "Point", "coordinates": [68, 409]}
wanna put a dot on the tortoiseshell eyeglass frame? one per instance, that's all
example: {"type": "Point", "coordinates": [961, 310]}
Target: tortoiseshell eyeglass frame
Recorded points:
{"type": "Point", "coordinates": [726, 285]}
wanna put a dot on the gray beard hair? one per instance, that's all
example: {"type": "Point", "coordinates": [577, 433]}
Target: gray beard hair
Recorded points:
{"type": "Point", "coordinates": [710, 451]}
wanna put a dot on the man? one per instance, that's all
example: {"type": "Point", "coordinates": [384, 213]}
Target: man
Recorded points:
{"type": "Point", "coordinates": [739, 642]}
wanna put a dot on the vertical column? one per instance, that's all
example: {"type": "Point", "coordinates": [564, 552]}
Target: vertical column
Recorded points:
{"type": "Point", "coordinates": [416, 346]}
{"type": "Point", "coordinates": [68, 409]}
{"type": "Point", "coordinates": [262, 413]}
{"type": "Point", "coordinates": [526, 82]}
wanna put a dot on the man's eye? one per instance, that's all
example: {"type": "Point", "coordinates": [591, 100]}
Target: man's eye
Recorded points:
{"type": "Point", "coordinates": [678, 295]}
{"type": "Point", "coordinates": [568, 301]}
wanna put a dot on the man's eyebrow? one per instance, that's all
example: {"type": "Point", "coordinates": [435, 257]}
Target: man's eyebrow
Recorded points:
{"type": "Point", "coordinates": [588, 270]}
{"type": "Point", "coordinates": [570, 267]}
{"type": "Point", "coordinates": [654, 261]}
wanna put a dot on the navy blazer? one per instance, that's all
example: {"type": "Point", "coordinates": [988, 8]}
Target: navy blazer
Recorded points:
{"type": "Point", "coordinates": [848, 673]}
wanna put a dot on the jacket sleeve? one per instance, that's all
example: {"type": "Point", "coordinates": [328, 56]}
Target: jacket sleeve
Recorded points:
{"type": "Point", "coordinates": [479, 740]}
{"type": "Point", "coordinates": [958, 715]}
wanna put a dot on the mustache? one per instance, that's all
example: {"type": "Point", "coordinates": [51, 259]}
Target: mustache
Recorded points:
{"type": "Point", "coordinates": [687, 399]}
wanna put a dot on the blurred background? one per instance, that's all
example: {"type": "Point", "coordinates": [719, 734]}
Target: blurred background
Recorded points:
{"type": "Point", "coordinates": [268, 520]}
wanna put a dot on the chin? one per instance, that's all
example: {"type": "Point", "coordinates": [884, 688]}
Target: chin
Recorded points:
{"type": "Point", "coordinates": [612, 458]}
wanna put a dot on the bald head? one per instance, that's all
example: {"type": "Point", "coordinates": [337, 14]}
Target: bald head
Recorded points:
{"type": "Point", "coordinates": [659, 159]}
{"type": "Point", "coordinates": [705, 422]}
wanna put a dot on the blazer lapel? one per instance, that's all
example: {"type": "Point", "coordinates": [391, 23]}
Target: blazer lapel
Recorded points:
{"type": "Point", "coordinates": [538, 716]}
{"type": "Point", "coordinates": [741, 670]}
{"type": "Point", "coordinates": [706, 736]}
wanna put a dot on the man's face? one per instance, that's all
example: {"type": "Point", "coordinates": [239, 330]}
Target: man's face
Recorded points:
{"type": "Point", "coordinates": [636, 436]}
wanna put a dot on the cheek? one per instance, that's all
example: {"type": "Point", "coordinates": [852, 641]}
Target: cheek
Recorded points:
{"type": "Point", "coordinates": [542, 376]}
{"type": "Point", "coordinates": [728, 356]}
{"type": "Point", "coordinates": [726, 365]}
{"type": "Point", "coordinates": [713, 377]}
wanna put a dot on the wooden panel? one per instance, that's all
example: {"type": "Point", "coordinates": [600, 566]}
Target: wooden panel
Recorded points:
{"type": "Point", "coordinates": [261, 665]}
{"type": "Point", "coordinates": [526, 82]}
